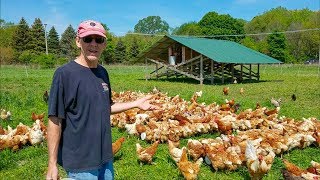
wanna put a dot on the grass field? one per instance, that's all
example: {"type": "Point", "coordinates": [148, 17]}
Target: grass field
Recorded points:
{"type": "Point", "coordinates": [22, 89]}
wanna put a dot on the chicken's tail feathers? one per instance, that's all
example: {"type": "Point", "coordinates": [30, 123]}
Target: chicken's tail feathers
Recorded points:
{"type": "Point", "coordinates": [251, 152]}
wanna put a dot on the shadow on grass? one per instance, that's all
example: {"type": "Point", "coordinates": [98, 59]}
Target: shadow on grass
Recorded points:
{"type": "Point", "coordinates": [207, 82]}
{"type": "Point", "coordinates": [142, 163]}
{"type": "Point", "coordinates": [117, 157]}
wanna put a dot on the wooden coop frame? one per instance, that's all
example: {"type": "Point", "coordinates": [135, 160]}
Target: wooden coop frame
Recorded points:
{"type": "Point", "coordinates": [190, 57]}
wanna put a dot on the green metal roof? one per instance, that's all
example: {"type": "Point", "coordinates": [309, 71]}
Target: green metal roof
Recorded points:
{"type": "Point", "coordinates": [221, 51]}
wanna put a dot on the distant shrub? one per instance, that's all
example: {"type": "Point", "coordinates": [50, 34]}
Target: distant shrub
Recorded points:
{"type": "Point", "coordinates": [26, 57]}
{"type": "Point", "coordinates": [45, 61]}
{"type": "Point", "coordinates": [62, 60]}
{"type": "Point", "coordinates": [6, 55]}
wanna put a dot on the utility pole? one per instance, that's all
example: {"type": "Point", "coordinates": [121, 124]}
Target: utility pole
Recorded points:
{"type": "Point", "coordinates": [45, 36]}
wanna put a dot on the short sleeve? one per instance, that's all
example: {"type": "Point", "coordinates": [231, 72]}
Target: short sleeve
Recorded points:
{"type": "Point", "coordinates": [56, 98]}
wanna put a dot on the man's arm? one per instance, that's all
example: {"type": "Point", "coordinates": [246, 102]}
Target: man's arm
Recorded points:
{"type": "Point", "coordinates": [54, 134]}
{"type": "Point", "coordinates": [142, 103]}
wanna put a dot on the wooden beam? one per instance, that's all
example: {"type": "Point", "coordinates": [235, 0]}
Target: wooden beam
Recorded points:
{"type": "Point", "coordinates": [258, 72]}
{"type": "Point", "coordinates": [241, 73]}
{"type": "Point", "coordinates": [222, 75]}
{"type": "Point", "coordinates": [232, 72]}
{"type": "Point", "coordinates": [173, 69]}
{"type": "Point", "coordinates": [146, 62]}
{"type": "Point", "coordinates": [250, 71]}
{"type": "Point", "coordinates": [212, 73]}
{"type": "Point", "coordinates": [201, 70]}
{"type": "Point", "coordinates": [189, 61]}
{"type": "Point", "coordinates": [157, 70]}
{"type": "Point", "coordinates": [183, 54]}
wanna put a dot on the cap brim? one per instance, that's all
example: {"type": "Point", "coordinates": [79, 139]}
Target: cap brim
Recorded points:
{"type": "Point", "coordinates": [88, 33]}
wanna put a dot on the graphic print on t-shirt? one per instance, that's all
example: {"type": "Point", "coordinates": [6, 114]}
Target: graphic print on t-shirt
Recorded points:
{"type": "Point", "coordinates": [105, 87]}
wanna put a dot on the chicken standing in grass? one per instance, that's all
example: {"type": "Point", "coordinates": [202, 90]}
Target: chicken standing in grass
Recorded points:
{"type": "Point", "coordinates": [275, 102]}
{"type": "Point", "coordinates": [258, 165]}
{"type": "Point", "coordinates": [225, 90]}
{"type": "Point", "coordinates": [35, 116]}
{"type": "Point", "coordinates": [5, 115]}
{"type": "Point", "coordinates": [189, 169]}
{"type": "Point", "coordinates": [146, 154]}
{"type": "Point", "coordinates": [174, 151]}
{"type": "Point", "coordinates": [117, 145]}
{"type": "Point", "coordinates": [241, 91]}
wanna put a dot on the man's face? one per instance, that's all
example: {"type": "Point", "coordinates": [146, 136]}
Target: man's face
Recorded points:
{"type": "Point", "coordinates": [91, 46]}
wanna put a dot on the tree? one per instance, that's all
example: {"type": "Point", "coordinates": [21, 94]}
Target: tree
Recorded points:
{"type": "Point", "coordinates": [53, 41]}
{"type": "Point", "coordinates": [214, 24]}
{"type": "Point", "coordinates": [189, 29]}
{"type": "Point", "coordinates": [120, 54]}
{"type": "Point", "coordinates": [7, 30]}
{"type": "Point", "coordinates": [134, 49]}
{"type": "Point", "coordinates": [249, 42]}
{"type": "Point", "coordinates": [277, 46]}
{"type": "Point", "coordinates": [21, 37]}
{"type": "Point", "coordinates": [67, 43]}
{"type": "Point", "coordinates": [151, 25]}
{"type": "Point", "coordinates": [37, 44]}
{"type": "Point", "coordinates": [107, 55]}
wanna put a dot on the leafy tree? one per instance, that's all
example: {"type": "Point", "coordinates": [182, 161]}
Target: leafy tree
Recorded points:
{"type": "Point", "coordinates": [120, 54]}
{"type": "Point", "coordinates": [53, 41]}
{"type": "Point", "coordinates": [190, 29]}
{"type": "Point", "coordinates": [277, 46]}
{"type": "Point", "coordinates": [151, 25]}
{"type": "Point", "coordinates": [300, 45]}
{"type": "Point", "coordinates": [67, 43]}
{"type": "Point", "coordinates": [249, 42]}
{"type": "Point", "coordinates": [7, 30]}
{"type": "Point", "coordinates": [21, 37]}
{"type": "Point", "coordinates": [37, 43]}
{"type": "Point", "coordinates": [107, 55]}
{"type": "Point", "coordinates": [134, 49]}
{"type": "Point", "coordinates": [214, 24]}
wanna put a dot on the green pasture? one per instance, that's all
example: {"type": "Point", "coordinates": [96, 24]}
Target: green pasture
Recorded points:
{"type": "Point", "coordinates": [21, 90]}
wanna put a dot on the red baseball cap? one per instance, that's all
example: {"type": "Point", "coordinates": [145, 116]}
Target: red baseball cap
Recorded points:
{"type": "Point", "coordinates": [90, 27]}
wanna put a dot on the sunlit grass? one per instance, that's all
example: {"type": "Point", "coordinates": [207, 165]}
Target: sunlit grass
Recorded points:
{"type": "Point", "coordinates": [22, 88]}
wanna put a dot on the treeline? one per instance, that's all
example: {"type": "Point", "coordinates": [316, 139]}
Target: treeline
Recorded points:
{"type": "Point", "coordinates": [21, 44]}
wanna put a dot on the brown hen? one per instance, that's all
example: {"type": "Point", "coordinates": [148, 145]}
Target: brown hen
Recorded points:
{"type": "Point", "coordinates": [117, 145]}
{"type": "Point", "coordinates": [146, 154]}
{"type": "Point", "coordinates": [188, 169]}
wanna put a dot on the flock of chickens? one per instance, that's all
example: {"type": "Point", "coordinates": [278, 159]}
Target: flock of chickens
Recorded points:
{"type": "Point", "coordinates": [251, 138]}
{"type": "Point", "coordinates": [23, 134]}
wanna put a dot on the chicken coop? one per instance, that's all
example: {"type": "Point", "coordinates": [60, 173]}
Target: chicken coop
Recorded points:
{"type": "Point", "coordinates": [204, 59]}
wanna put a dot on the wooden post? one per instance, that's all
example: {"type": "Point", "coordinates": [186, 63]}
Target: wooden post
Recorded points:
{"type": "Point", "coordinates": [212, 72]}
{"type": "Point", "coordinates": [232, 72]}
{"type": "Point", "coordinates": [201, 70]}
{"type": "Point", "coordinates": [258, 72]}
{"type": "Point", "coordinates": [157, 71]}
{"type": "Point", "coordinates": [169, 52]}
{"type": "Point", "coordinates": [146, 61]}
{"type": "Point", "coordinates": [183, 54]}
{"type": "Point", "coordinates": [250, 75]}
{"type": "Point", "coordinates": [241, 73]}
{"type": "Point", "coordinates": [222, 74]}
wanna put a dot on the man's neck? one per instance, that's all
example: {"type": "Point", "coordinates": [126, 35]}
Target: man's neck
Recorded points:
{"type": "Point", "coordinates": [85, 62]}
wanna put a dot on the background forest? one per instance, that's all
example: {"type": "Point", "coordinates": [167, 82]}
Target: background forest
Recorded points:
{"type": "Point", "coordinates": [291, 36]}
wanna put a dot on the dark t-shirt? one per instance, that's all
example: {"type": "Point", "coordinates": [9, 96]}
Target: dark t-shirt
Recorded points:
{"type": "Point", "coordinates": [81, 97]}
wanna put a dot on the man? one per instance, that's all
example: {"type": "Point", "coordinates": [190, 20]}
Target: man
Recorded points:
{"type": "Point", "coordinates": [80, 104]}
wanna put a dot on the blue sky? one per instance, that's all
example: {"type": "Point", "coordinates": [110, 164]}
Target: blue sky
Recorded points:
{"type": "Point", "coordinates": [122, 16]}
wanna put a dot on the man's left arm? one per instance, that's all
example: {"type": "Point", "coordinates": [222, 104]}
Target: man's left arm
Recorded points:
{"type": "Point", "coordinates": [143, 103]}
